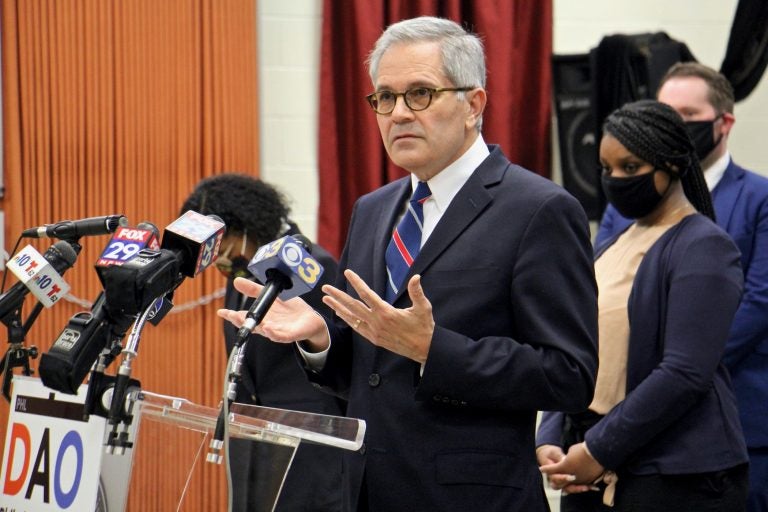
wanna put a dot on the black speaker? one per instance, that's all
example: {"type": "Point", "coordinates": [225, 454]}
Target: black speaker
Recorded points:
{"type": "Point", "coordinates": [576, 130]}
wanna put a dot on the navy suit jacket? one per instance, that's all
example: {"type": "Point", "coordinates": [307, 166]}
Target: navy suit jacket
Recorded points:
{"type": "Point", "coordinates": [508, 271]}
{"type": "Point", "coordinates": [679, 415]}
{"type": "Point", "coordinates": [741, 208]}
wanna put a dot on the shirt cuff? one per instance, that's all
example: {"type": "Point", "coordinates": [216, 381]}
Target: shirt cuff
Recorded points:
{"type": "Point", "coordinates": [315, 360]}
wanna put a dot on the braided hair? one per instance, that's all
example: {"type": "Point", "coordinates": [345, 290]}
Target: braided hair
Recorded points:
{"type": "Point", "coordinates": [656, 133]}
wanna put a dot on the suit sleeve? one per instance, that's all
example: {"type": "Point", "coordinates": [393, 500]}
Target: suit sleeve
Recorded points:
{"type": "Point", "coordinates": [704, 289]}
{"type": "Point", "coordinates": [550, 429]}
{"type": "Point", "coordinates": [606, 228]}
{"type": "Point", "coordinates": [335, 376]}
{"type": "Point", "coordinates": [549, 361]}
{"type": "Point", "coordinates": [750, 325]}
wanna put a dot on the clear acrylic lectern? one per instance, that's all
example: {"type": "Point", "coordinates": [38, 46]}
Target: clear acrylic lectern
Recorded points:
{"type": "Point", "coordinates": [56, 460]}
{"type": "Point", "coordinates": [278, 432]}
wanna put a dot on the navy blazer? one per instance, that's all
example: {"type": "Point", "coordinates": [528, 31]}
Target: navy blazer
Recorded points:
{"type": "Point", "coordinates": [508, 271]}
{"type": "Point", "coordinates": [741, 208]}
{"type": "Point", "coordinates": [679, 415]}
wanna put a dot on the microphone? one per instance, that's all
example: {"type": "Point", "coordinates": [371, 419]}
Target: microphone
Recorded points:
{"type": "Point", "coordinates": [74, 229]}
{"type": "Point", "coordinates": [154, 241]}
{"type": "Point", "coordinates": [287, 270]}
{"type": "Point", "coordinates": [130, 287]}
{"type": "Point", "coordinates": [190, 244]}
{"type": "Point", "coordinates": [128, 242]}
{"type": "Point", "coordinates": [39, 274]}
{"type": "Point", "coordinates": [73, 353]}
{"type": "Point", "coordinates": [196, 238]}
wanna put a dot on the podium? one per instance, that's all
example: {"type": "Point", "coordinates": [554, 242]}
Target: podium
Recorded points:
{"type": "Point", "coordinates": [55, 461]}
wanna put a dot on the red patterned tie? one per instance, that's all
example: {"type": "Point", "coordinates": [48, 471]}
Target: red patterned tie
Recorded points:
{"type": "Point", "coordinates": [406, 241]}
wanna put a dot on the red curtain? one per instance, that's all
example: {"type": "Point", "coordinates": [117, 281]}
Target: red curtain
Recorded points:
{"type": "Point", "coordinates": [352, 161]}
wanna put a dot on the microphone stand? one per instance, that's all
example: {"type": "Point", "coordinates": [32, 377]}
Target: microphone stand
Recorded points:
{"type": "Point", "coordinates": [235, 373]}
{"type": "Point", "coordinates": [17, 355]}
{"type": "Point", "coordinates": [254, 317]}
{"type": "Point", "coordinates": [120, 412]}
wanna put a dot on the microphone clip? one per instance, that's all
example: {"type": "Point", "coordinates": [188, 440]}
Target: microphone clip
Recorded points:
{"type": "Point", "coordinates": [17, 356]}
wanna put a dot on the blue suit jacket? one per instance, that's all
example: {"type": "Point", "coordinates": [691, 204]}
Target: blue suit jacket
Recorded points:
{"type": "Point", "coordinates": [508, 271]}
{"type": "Point", "coordinates": [741, 208]}
{"type": "Point", "coordinates": [679, 415]}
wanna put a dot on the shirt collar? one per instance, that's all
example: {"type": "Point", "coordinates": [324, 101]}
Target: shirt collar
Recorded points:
{"type": "Point", "coordinates": [714, 173]}
{"type": "Point", "coordinates": [447, 183]}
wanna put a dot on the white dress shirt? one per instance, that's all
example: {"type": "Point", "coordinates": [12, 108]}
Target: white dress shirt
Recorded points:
{"type": "Point", "coordinates": [714, 173]}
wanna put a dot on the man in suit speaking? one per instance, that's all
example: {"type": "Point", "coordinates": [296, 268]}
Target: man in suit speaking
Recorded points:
{"type": "Point", "coordinates": [467, 300]}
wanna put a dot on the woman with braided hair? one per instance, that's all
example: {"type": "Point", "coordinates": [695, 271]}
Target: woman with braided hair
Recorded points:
{"type": "Point", "coordinates": [662, 432]}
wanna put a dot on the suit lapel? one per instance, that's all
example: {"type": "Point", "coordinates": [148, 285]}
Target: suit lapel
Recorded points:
{"type": "Point", "coordinates": [726, 194]}
{"type": "Point", "coordinates": [466, 206]}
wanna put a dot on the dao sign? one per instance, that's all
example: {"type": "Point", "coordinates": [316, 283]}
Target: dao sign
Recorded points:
{"type": "Point", "coordinates": [52, 457]}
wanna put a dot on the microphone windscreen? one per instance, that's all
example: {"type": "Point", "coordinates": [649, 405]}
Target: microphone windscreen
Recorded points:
{"type": "Point", "coordinates": [197, 238]}
{"type": "Point", "coordinates": [289, 257]}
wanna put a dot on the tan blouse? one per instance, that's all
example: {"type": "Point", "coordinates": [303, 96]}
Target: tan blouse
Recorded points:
{"type": "Point", "coordinates": [615, 271]}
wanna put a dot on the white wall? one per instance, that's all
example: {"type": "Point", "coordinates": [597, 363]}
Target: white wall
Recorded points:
{"type": "Point", "coordinates": [289, 50]}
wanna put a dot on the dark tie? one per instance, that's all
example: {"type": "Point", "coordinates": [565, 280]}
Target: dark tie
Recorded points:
{"type": "Point", "coordinates": [406, 241]}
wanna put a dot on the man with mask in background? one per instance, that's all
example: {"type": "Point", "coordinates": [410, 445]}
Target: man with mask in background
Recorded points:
{"type": "Point", "coordinates": [704, 98]}
{"type": "Point", "coordinates": [255, 214]}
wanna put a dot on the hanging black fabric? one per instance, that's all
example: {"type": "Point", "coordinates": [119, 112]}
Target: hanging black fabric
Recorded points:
{"type": "Point", "coordinates": [628, 68]}
{"type": "Point", "coordinates": [747, 54]}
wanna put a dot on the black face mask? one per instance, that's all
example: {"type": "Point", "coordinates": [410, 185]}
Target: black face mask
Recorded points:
{"type": "Point", "coordinates": [703, 137]}
{"type": "Point", "coordinates": [633, 197]}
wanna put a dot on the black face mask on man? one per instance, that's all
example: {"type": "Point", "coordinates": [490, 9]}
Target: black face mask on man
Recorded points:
{"type": "Point", "coordinates": [633, 197]}
{"type": "Point", "coordinates": [703, 137]}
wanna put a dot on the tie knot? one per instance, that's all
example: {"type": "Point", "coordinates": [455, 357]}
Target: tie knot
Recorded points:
{"type": "Point", "coordinates": [421, 193]}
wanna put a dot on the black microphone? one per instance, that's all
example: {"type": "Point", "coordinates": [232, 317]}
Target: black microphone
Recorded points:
{"type": "Point", "coordinates": [287, 270]}
{"type": "Point", "coordinates": [129, 288]}
{"type": "Point", "coordinates": [127, 242]}
{"type": "Point", "coordinates": [73, 353]}
{"type": "Point", "coordinates": [196, 239]}
{"type": "Point", "coordinates": [190, 244]}
{"type": "Point", "coordinates": [60, 256]}
{"type": "Point", "coordinates": [154, 240]}
{"type": "Point", "coordinates": [73, 229]}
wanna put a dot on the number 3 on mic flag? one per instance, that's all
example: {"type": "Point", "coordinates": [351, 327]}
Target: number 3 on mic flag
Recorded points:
{"type": "Point", "coordinates": [38, 275]}
{"type": "Point", "coordinates": [290, 258]}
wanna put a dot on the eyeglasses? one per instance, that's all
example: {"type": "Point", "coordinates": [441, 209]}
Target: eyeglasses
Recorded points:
{"type": "Point", "coordinates": [416, 99]}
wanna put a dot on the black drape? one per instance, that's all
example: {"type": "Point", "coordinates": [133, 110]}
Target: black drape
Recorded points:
{"type": "Point", "coordinates": [747, 54]}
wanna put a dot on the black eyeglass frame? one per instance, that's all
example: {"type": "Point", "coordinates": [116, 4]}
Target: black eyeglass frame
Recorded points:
{"type": "Point", "coordinates": [432, 91]}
